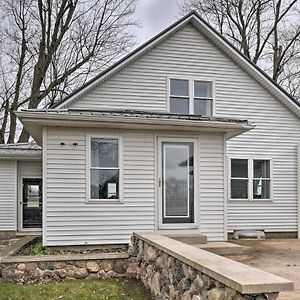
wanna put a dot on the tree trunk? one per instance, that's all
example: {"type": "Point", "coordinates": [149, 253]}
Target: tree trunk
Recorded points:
{"type": "Point", "coordinates": [13, 126]}
{"type": "Point", "coordinates": [24, 136]}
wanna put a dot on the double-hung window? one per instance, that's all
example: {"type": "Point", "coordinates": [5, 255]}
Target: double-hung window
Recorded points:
{"type": "Point", "coordinates": [104, 169]}
{"type": "Point", "coordinates": [250, 179]}
{"type": "Point", "coordinates": [179, 96]}
{"type": "Point", "coordinates": [261, 179]}
{"type": "Point", "coordinates": [239, 179]}
{"type": "Point", "coordinates": [203, 98]}
{"type": "Point", "coordinates": [187, 96]}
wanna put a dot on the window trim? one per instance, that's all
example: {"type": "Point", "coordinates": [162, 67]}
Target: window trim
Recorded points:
{"type": "Point", "coordinates": [89, 137]}
{"type": "Point", "coordinates": [250, 179]}
{"type": "Point", "coordinates": [191, 91]}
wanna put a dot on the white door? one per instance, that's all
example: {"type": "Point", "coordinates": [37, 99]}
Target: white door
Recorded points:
{"type": "Point", "coordinates": [177, 183]}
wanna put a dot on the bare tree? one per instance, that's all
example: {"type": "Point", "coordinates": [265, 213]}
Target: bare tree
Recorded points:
{"type": "Point", "coordinates": [50, 47]}
{"type": "Point", "coordinates": [265, 31]}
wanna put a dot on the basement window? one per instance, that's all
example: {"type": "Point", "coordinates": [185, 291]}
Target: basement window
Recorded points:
{"type": "Point", "coordinates": [250, 179]}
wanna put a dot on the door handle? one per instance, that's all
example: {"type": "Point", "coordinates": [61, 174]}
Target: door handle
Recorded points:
{"type": "Point", "coordinates": [161, 182]}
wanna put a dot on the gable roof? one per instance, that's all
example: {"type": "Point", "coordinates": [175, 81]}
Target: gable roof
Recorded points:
{"type": "Point", "coordinates": [215, 37]}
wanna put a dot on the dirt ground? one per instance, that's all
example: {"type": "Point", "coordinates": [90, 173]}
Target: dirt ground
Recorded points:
{"type": "Point", "coordinates": [278, 256]}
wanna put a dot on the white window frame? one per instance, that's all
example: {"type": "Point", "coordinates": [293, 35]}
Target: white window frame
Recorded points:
{"type": "Point", "coordinates": [191, 96]}
{"type": "Point", "coordinates": [177, 138]}
{"type": "Point", "coordinates": [250, 178]}
{"type": "Point", "coordinates": [88, 168]}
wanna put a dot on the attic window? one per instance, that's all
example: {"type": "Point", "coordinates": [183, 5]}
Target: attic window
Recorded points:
{"type": "Point", "coordinates": [188, 96]}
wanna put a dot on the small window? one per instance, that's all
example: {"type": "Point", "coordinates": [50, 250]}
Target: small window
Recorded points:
{"type": "Point", "coordinates": [199, 101]}
{"type": "Point", "coordinates": [239, 179]}
{"type": "Point", "coordinates": [250, 179]}
{"type": "Point", "coordinates": [261, 179]}
{"type": "Point", "coordinates": [104, 169]}
{"type": "Point", "coordinates": [203, 99]}
{"type": "Point", "coordinates": [179, 96]}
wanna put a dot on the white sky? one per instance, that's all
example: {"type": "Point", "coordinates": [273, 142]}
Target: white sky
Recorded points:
{"type": "Point", "coordinates": [154, 16]}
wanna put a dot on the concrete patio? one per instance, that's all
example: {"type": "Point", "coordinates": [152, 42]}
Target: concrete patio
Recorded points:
{"type": "Point", "coordinates": [277, 256]}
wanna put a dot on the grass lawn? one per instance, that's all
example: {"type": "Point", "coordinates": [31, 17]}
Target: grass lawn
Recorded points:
{"type": "Point", "coordinates": [115, 289]}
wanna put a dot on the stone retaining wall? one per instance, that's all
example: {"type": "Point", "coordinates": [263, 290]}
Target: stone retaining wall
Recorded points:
{"type": "Point", "coordinates": [45, 271]}
{"type": "Point", "coordinates": [169, 278]}
{"type": "Point", "coordinates": [169, 269]}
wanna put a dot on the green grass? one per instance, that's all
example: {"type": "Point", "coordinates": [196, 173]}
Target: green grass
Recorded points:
{"type": "Point", "coordinates": [114, 289]}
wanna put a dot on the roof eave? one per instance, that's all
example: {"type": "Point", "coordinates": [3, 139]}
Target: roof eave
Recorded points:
{"type": "Point", "coordinates": [35, 121]}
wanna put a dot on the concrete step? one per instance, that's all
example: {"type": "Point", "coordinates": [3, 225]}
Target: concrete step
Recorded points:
{"type": "Point", "coordinates": [28, 233]}
{"type": "Point", "coordinates": [189, 238]}
{"type": "Point", "coordinates": [223, 248]}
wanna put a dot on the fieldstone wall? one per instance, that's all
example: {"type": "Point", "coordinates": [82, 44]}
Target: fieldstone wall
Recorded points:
{"type": "Point", "coordinates": [166, 276]}
{"type": "Point", "coordinates": [45, 271]}
{"type": "Point", "coordinates": [169, 278]}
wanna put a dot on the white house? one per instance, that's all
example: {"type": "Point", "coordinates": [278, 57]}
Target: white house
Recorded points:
{"type": "Point", "coordinates": [184, 135]}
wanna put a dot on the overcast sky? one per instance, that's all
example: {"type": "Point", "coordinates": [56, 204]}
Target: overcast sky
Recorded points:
{"type": "Point", "coordinates": [154, 16]}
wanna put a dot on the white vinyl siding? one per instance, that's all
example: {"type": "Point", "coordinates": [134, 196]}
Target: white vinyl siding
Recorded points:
{"type": "Point", "coordinates": [72, 221]}
{"type": "Point", "coordinates": [211, 173]}
{"type": "Point", "coordinates": [188, 53]}
{"type": "Point", "coordinates": [8, 195]}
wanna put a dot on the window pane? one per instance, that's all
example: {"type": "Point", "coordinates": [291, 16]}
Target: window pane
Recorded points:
{"type": "Point", "coordinates": [104, 184]}
{"type": "Point", "coordinates": [239, 189]}
{"type": "Point", "coordinates": [261, 169]}
{"type": "Point", "coordinates": [239, 168]}
{"type": "Point", "coordinates": [203, 89]}
{"type": "Point", "coordinates": [261, 189]}
{"type": "Point", "coordinates": [179, 106]}
{"type": "Point", "coordinates": [203, 107]}
{"type": "Point", "coordinates": [179, 87]}
{"type": "Point", "coordinates": [104, 153]}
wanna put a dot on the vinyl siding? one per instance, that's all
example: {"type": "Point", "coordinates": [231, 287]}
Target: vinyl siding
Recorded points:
{"type": "Point", "coordinates": [8, 191]}
{"type": "Point", "coordinates": [188, 53]}
{"type": "Point", "coordinates": [211, 164]}
{"type": "Point", "coordinates": [72, 221]}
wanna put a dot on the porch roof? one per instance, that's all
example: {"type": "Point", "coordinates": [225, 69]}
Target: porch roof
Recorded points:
{"type": "Point", "coordinates": [20, 151]}
{"type": "Point", "coordinates": [34, 120]}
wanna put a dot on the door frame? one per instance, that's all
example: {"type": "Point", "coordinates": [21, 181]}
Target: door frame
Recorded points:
{"type": "Point", "coordinates": [177, 139]}
{"type": "Point", "coordinates": [20, 203]}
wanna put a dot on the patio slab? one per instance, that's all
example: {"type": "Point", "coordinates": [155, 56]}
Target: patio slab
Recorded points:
{"type": "Point", "coordinates": [277, 256]}
{"type": "Point", "coordinates": [223, 248]}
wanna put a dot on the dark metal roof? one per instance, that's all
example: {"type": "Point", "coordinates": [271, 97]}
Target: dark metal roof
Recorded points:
{"type": "Point", "coordinates": [155, 115]}
{"type": "Point", "coordinates": [136, 114]}
{"type": "Point", "coordinates": [192, 13]}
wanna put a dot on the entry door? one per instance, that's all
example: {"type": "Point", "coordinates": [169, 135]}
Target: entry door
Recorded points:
{"type": "Point", "coordinates": [32, 203]}
{"type": "Point", "coordinates": [177, 182]}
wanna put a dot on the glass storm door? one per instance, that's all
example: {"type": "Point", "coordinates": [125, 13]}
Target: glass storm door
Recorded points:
{"type": "Point", "coordinates": [32, 203]}
{"type": "Point", "coordinates": [177, 182]}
